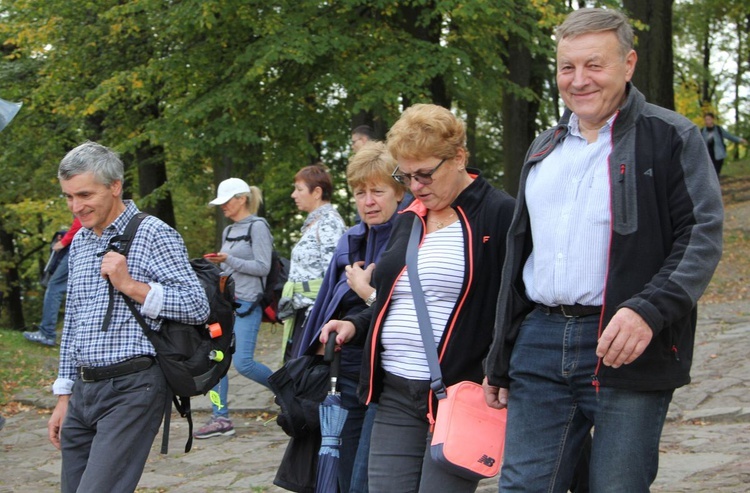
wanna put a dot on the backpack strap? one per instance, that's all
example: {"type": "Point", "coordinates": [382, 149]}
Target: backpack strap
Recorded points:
{"type": "Point", "coordinates": [182, 404]}
{"type": "Point", "coordinates": [248, 236]}
{"type": "Point", "coordinates": [120, 244]}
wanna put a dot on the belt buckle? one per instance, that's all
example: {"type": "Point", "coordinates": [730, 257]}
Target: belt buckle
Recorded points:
{"type": "Point", "coordinates": [566, 315]}
{"type": "Point", "coordinates": [82, 375]}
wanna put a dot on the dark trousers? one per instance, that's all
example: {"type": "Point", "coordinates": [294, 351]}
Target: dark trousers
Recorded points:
{"type": "Point", "coordinates": [108, 431]}
{"type": "Point", "coordinates": [400, 459]}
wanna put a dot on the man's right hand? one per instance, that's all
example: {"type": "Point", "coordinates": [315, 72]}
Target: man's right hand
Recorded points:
{"type": "Point", "coordinates": [54, 425]}
{"type": "Point", "coordinates": [496, 397]}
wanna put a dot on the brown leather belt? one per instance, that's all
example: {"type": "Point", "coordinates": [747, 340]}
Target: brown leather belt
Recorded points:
{"type": "Point", "coordinates": [570, 310]}
{"type": "Point", "coordinates": [97, 373]}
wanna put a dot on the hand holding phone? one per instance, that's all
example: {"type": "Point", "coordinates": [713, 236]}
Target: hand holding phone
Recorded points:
{"type": "Point", "coordinates": [209, 255]}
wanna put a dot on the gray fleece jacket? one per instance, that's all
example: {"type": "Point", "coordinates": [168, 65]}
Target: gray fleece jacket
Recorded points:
{"type": "Point", "coordinates": [665, 243]}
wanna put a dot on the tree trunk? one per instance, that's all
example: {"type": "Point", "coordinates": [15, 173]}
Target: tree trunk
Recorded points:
{"type": "Point", "coordinates": [654, 71]}
{"type": "Point", "coordinates": [706, 85]}
{"type": "Point", "coordinates": [152, 174]}
{"type": "Point", "coordinates": [12, 296]}
{"type": "Point", "coordinates": [430, 32]}
{"type": "Point", "coordinates": [518, 114]}
{"type": "Point", "coordinates": [471, 135]}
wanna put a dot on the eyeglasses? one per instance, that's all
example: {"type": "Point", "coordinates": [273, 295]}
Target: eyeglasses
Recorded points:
{"type": "Point", "coordinates": [423, 178]}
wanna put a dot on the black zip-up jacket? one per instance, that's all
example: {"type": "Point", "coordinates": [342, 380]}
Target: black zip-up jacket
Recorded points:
{"type": "Point", "coordinates": [485, 214]}
{"type": "Point", "coordinates": [665, 243]}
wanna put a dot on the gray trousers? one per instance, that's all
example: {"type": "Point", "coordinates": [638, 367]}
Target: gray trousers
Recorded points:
{"type": "Point", "coordinates": [400, 460]}
{"type": "Point", "coordinates": [108, 431]}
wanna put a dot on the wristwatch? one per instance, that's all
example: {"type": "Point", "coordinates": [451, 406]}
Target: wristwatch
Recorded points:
{"type": "Point", "coordinates": [371, 299]}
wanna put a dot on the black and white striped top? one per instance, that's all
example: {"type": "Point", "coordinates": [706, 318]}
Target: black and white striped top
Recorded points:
{"type": "Point", "coordinates": [441, 271]}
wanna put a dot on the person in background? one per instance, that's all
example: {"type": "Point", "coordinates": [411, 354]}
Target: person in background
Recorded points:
{"type": "Point", "coordinates": [714, 136]}
{"type": "Point", "coordinates": [616, 234]}
{"type": "Point", "coordinates": [346, 290]}
{"type": "Point", "coordinates": [311, 255]}
{"type": "Point", "coordinates": [463, 222]}
{"type": "Point", "coordinates": [56, 287]}
{"type": "Point", "coordinates": [361, 135]}
{"type": "Point", "coordinates": [245, 254]}
{"type": "Point", "coordinates": [111, 393]}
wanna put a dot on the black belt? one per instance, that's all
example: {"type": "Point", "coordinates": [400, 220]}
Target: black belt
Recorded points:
{"type": "Point", "coordinates": [97, 373]}
{"type": "Point", "coordinates": [570, 310]}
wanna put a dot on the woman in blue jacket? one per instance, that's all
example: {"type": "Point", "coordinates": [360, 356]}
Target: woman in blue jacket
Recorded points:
{"type": "Point", "coordinates": [346, 289]}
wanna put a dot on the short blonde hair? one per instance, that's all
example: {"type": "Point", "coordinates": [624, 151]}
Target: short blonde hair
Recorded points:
{"type": "Point", "coordinates": [426, 130]}
{"type": "Point", "coordinates": [372, 164]}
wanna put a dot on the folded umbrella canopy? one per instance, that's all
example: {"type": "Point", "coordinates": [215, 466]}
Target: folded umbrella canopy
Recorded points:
{"type": "Point", "coordinates": [7, 111]}
{"type": "Point", "coordinates": [332, 419]}
{"type": "Point", "coordinates": [300, 386]}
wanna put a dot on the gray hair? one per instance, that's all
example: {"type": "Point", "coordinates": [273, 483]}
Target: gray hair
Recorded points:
{"type": "Point", "coordinates": [596, 20]}
{"type": "Point", "coordinates": [91, 157]}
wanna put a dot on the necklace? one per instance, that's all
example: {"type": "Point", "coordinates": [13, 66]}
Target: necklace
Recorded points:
{"type": "Point", "coordinates": [440, 224]}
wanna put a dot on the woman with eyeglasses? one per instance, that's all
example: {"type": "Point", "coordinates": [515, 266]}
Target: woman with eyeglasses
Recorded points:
{"type": "Point", "coordinates": [463, 222]}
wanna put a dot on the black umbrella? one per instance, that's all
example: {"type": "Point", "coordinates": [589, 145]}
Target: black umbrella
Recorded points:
{"type": "Point", "coordinates": [332, 419]}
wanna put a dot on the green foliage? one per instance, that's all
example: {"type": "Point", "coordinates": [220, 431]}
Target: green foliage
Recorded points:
{"type": "Point", "coordinates": [27, 365]}
{"type": "Point", "coordinates": [250, 89]}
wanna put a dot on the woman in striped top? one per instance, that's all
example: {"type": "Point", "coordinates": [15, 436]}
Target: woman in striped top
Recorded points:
{"type": "Point", "coordinates": [464, 221]}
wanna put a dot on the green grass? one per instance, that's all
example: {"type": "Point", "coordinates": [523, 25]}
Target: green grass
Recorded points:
{"type": "Point", "coordinates": [24, 365]}
{"type": "Point", "coordinates": [736, 169]}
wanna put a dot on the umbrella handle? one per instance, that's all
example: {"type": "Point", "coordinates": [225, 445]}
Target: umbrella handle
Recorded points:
{"type": "Point", "coordinates": [330, 350]}
{"type": "Point", "coordinates": [332, 356]}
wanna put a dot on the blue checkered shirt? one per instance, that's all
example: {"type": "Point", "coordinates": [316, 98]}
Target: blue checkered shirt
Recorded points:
{"type": "Point", "coordinates": [158, 257]}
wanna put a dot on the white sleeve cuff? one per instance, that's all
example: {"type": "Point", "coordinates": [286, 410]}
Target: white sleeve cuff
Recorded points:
{"type": "Point", "coordinates": [154, 301]}
{"type": "Point", "coordinates": [62, 386]}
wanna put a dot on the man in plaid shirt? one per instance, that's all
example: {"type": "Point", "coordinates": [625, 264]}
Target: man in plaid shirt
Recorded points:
{"type": "Point", "coordinates": [111, 393]}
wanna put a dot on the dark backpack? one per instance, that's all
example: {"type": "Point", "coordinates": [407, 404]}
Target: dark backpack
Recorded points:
{"type": "Point", "coordinates": [187, 354]}
{"type": "Point", "coordinates": [273, 283]}
{"type": "Point", "coordinates": [273, 286]}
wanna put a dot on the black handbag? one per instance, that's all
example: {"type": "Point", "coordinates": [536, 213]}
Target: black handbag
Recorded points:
{"type": "Point", "coordinates": [300, 386]}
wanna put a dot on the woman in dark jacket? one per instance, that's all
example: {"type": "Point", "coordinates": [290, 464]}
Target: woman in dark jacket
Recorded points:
{"type": "Point", "coordinates": [464, 221]}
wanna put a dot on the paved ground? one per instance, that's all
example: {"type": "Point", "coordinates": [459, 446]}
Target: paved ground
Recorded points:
{"type": "Point", "coordinates": [705, 445]}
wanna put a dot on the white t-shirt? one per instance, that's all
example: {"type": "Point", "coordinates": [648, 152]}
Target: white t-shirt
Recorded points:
{"type": "Point", "coordinates": [441, 272]}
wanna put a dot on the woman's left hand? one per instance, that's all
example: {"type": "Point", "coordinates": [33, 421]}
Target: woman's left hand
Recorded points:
{"type": "Point", "coordinates": [358, 279]}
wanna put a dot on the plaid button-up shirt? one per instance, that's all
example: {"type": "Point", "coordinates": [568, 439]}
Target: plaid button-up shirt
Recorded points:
{"type": "Point", "coordinates": [158, 257]}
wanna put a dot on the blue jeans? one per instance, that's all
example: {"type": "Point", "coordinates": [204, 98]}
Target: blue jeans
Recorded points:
{"type": "Point", "coordinates": [53, 296]}
{"type": "Point", "coordinates": [351, 433]}
{"type": "Point", "coordinates": [246, 336]}
{"type": "Point", "coordinates": [553, 405]}
{"type": "Point", "coordinates": [360, 467]}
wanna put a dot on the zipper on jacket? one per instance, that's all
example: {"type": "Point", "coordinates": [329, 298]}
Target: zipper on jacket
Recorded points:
{"type": "Point", "coordinates": [595, 379]}
{"type": "Point", "coordinates": [623, 195]}
{"type": "Point", "coordinates": [675, 353]}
